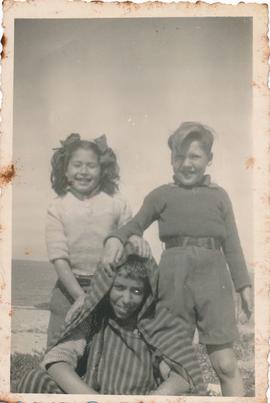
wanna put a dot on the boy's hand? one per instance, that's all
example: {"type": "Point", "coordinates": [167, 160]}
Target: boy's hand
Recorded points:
{"type": "Point", "coordinates": [112, 253]}
{"type": "Point", "coordinates": [246, 304]}
{"type": "Point", "coordinates": [141, 246]}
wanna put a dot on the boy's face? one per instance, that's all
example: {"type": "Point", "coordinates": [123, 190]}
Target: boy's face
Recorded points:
{"type": "Point", "coordinates": [189, 164]}
{"type": "Point", "coordinates": [126, 296]}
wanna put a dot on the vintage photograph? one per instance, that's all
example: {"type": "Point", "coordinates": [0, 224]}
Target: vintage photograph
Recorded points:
{"type": "Point", "coordinates": [133, 238]}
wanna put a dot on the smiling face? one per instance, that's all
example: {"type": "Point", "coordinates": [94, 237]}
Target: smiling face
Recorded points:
{"type": "Point", "coordinates": [83, 172]}
{"type": "Point", "coordinates": [189, 163]}
{"type": "Point", "coordinates": [126, 296]}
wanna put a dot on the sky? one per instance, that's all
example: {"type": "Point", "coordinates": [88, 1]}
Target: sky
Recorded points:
{"type": "Point", "coordinates": [135, 80]}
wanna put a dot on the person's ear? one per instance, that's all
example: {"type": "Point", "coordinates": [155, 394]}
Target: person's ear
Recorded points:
{"type": "Point", "coordinates": [172, 157]}
{"type": "Point", "coordinates": [210, 159]}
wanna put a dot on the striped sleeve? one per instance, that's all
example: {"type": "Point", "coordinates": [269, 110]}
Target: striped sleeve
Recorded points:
{"type": "Point", "coordinates": [169, 335]}
{"type": "Point", "coordinates": [70, 350]}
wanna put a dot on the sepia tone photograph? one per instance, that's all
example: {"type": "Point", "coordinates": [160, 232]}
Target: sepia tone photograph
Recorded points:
{"type": "Point", "coordinates": [134, 245]}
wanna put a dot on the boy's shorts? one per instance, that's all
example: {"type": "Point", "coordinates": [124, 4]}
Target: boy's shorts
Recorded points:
{"type": "Point", "coordinates": [195, 284]}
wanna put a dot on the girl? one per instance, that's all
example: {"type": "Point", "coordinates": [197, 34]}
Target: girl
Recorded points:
{"type": "Point", "coordinates": [197, 225]}
{"type": "Point", "coordinates": [85, 178]}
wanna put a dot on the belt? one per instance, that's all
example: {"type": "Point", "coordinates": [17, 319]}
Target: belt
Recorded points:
{"type": "Point", "coordinates": [83, 280]}
{"type": "Point", "coordinates": [201, 242]}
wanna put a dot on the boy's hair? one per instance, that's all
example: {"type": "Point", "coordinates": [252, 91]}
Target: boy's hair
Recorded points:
{"type": "Point", "coordinates": [107, 160]}
{"type": "Point", "coordinates": [192, 131]}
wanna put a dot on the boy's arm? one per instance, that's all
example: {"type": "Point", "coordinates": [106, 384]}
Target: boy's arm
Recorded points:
{"type": "Point", "coordinates": [148, 213]}
{"type": "Point", "coordinates": [114, 243]}
{"type": "Point", "coordinates": [234, 256]}
{"type": "Point", "coordinates": [232, 249]}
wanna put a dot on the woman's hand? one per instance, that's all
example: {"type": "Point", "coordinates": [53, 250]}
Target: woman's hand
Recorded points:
{"type": "Point", "coordinates": [112, 253]}
{"type": "Point", "coordinates": [245, 305]}
{"type": "Point", "coordinates": [140, 246]}
{"type": "Point", "coordinates": [173, 384]}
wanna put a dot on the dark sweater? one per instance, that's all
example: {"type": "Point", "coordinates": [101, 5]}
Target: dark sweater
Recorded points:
{"type": "Point", "coordinates": [201, 211]}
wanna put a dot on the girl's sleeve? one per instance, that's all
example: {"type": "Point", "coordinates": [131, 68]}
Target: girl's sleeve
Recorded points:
{"type": "Point", "coordinates": [70, 350]}
{"type": "Point", "coordinates": [148, 213]}
{"type": "Point", "coordinates": [124, 213]}
{"type": "Point", "coordinates": [55, 235]}
{"type": "Point", "coordinates": [232, 248]}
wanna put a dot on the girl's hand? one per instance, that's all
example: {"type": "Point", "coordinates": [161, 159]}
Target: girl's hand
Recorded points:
{"type": "Point", "coordinates": [112, 253]}
{"type": "Point", "coordinates": [75, 308]}
{"type": "Point", "coordinates": [246, 304]}
{"type": "Point", "coordinates": [141, 246]}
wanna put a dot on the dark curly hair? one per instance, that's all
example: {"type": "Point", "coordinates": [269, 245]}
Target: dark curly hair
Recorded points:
{"type": "Point", "coordinates": [106, 157]}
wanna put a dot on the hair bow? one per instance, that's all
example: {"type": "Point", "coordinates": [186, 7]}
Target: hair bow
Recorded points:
{"type": "Point", "coordinates": [101, 143]}
{"type": "Point", "coordinates": [72, 138]}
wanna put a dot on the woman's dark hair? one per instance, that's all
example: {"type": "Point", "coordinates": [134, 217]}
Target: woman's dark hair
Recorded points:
{"type": "Point", "coordinates": [107, 160]}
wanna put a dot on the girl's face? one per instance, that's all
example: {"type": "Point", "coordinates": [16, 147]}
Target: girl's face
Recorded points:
{"type": "Point", "coordinates": [83, 172]}
{"type": "Point", "coordinates": [190, 164]}
{"type": "Point", "coordinates": [126, 296]}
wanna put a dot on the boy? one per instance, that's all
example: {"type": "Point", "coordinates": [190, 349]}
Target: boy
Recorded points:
{"type": "Point", "coordinates": [197, 225]}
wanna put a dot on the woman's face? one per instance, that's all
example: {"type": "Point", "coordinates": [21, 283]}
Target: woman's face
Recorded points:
{"type": "Point", "coordinates": [126, 296]}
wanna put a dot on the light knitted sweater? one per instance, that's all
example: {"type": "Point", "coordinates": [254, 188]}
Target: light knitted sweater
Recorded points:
{"type": "Point", "coordinates": [75, 229]}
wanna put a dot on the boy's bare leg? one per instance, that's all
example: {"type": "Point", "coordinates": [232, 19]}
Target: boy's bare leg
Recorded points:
{"type": "Point", "coordinates": [224, 363]}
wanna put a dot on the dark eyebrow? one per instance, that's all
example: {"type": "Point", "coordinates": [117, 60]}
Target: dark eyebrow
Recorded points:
{"type": "Point", "coordinates": [195, 155]}
{"type": "Point", "coordinates": [181, 155]}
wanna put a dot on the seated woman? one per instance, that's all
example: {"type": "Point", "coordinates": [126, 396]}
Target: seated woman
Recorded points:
{"type": "Point", "coordinates": [124, 341]}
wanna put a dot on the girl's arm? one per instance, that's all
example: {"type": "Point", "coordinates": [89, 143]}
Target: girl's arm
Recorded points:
{"type": "Point", "coordinates": [58, 251]}
{"type": "Point", "coordinates": [68, 380]}
{"type": "Point", "coordinates": [67, 278]}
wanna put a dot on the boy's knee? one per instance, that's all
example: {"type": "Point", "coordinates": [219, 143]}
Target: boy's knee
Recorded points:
{"type": "Point", "coordinates": [225, 368]}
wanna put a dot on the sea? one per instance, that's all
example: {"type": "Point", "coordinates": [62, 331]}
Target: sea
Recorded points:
{"type": "Point", "coordinates": [32, 283]}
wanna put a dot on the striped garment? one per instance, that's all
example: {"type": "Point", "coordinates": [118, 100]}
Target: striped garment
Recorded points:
{"type": "Point", "coordinates": [37, 381]}
{"type": "Point", "coordinates": [125, 365]}
{"type": "Point", "coordinates": [162, 332]}
{"type": "Point", "coordinates": [119, 362]}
